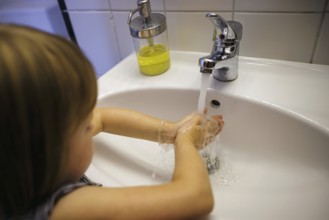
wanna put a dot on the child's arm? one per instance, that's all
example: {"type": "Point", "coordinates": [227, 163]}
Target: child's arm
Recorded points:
{"type": "Point", "coordinates": [126, 122]}
{"type": "Point", "coordinates": [138, 125]}
{"type": "Point", "coordinates": [187, 196]}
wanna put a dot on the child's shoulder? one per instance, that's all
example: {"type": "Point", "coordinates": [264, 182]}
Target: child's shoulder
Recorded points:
{"type": "Point", "coordinates": [77, 204]}
{"type": "Point", "coordinates": [46, 208]}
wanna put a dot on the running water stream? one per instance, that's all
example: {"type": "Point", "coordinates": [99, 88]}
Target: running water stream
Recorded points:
{"type": "Point", "coordinates": [205, 78]}
{"type": "Point", "coordinates": [208, 153]}
{"type": "Point", "coordinates": [213, 154]}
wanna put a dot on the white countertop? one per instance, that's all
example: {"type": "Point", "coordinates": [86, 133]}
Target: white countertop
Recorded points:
{"type": "Point", "coordinates": [297, 87]}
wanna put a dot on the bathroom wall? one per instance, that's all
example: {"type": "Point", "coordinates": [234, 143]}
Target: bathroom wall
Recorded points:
{"type": "Point", "coordinates": [294, 30]}
{"type": "Point", "coordinates": [41, 14]}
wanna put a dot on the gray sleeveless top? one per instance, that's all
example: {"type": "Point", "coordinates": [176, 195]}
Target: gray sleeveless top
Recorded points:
{"type": "Point", "coordinates": [43, 211]}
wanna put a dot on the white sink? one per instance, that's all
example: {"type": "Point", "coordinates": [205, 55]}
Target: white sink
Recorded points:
{"type": "Point", "coordinates": [274, 163]}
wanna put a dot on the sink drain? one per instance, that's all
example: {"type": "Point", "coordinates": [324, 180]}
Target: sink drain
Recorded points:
{"type": "Point", "coordinates": [214, 103]}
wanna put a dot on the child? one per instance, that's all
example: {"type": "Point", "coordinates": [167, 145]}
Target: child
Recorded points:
{"type": "Point", "coordinates": [48, 93]}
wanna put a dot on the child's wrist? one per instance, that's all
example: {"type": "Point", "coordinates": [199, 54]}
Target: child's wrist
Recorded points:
{"type": "Point", "coordinates": [166, 133]}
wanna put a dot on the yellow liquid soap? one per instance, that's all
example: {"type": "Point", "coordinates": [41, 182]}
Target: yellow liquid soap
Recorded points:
{"type": "Point", "coordinates": [153, 60]}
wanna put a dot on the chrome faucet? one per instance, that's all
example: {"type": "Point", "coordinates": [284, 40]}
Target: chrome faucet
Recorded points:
{"type": "Point", "coordinates": [222, 63]}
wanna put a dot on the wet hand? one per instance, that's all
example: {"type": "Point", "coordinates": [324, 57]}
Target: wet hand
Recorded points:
{"type": "Point", "coordinates": [212, 127]}
{"type": "Point", "coordinates": [199, 129]}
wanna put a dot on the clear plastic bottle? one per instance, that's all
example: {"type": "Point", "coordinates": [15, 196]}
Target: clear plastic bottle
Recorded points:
{"type": "Point", "coordinates": [149, 31]}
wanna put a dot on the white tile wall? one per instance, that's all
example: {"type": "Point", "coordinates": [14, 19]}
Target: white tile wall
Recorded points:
{"type": "Point", "coordinates": [45, 16]}
{"type": "Point", "coordinates": [321, 55]}
{"type": "Point", "coordinates": [87, 4]}
{"type": "Point", "coordinates": [284, 36]}
{"type": "Point", "coordinates": [132, 4]}
{"type": "Point", "coordinates": [191, 31]}
{"type": "Point", "coordinates": [276, 29]}
{"type": "Point", "coordinates": [280, 5]}
{"type": "Point", "coordinates": [96, 36]}
{"type": "Point", "coordinates": [125, 41]}
{"type": "Point", "coordinates": [197, 5]}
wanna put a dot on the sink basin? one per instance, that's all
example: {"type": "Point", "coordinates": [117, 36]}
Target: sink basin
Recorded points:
{"type": "Point", "coordinates": [273, 162]}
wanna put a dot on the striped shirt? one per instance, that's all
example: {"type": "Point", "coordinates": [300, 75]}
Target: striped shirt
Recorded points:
{"type": "Point", "coordinates": [43, 211]}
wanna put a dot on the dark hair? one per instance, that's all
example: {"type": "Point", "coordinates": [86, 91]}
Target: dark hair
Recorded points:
{"type": "Point", "coordinates": [47, 87]}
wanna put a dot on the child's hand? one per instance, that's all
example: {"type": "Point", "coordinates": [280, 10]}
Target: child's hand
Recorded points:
{"type": "Point", "coordinates": [212, 126]}
{"type": "Point", "coordinates": [201, 130]}
{"type": "Point", "coordinates": [194, 123]}
{"type": "Point", "coordinates": [192, 130]}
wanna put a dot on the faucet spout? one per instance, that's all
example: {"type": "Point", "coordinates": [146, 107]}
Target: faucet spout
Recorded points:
{"type": "Point", "coordinates": [207, 64]}
{"type": "Point", "coordinates": [222, 70]}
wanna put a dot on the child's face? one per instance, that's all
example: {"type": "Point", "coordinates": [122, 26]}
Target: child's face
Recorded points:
{"type": "Point", "coordinates": [81, 150]}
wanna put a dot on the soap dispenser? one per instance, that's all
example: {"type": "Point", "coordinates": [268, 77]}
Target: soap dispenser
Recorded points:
{"type": "Point", "coordinates": [149, 32]}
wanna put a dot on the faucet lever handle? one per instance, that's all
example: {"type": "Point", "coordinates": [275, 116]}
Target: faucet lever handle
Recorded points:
{"type": "Point", "coordinates": [225, 30]}
{"type": "Point", "coordinates": [221, 27]}
{"type": "Point", "coordinates": [237, 28]}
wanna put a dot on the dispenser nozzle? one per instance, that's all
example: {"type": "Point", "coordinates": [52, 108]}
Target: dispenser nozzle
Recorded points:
{"type": "Point", "coordinates": [145, 10]}
{"type": "Point", "coordinates": [147, 25]}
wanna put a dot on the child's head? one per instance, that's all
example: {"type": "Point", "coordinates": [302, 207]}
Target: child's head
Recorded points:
{"type": "Point", "coordinates": [47, 88]}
